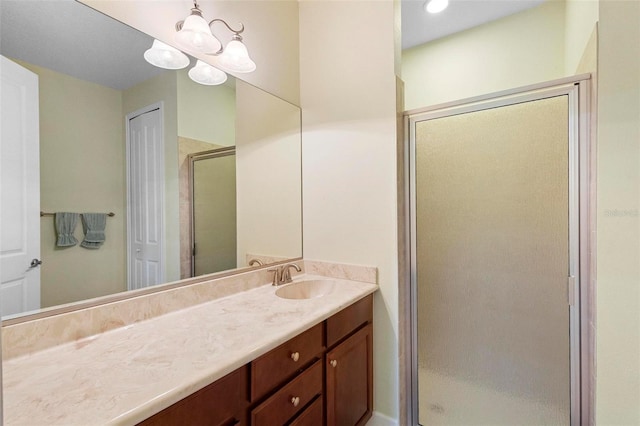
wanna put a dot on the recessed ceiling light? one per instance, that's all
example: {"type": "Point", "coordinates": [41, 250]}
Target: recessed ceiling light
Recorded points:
{"type": "Point", "coordinates": [436, 6]}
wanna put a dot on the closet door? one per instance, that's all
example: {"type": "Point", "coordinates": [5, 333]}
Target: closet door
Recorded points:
{"type": "Point", "coordinates": [146, 199]}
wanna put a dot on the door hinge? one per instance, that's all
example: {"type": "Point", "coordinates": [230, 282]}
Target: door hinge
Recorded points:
{"type": "Point", "coordinates": [572, 291]}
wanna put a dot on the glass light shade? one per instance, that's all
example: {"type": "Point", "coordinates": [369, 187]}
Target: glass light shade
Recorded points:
{"type": "Point", "coordinates": [195, 35]}
{"type": "Point", "coordinates": [164, 56]}
{"type": "Point", "coordinates": [236, 58]}
{"type": "Point", "coordinates": [436, 6]}
{"type": "Point", "coordinates": [204, 73]}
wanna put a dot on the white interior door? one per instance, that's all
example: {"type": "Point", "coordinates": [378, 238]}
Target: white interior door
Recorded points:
{"type": "Point", "coordinates": [19, 190]}
{"type": "Point", "coordinates": [146, 205]}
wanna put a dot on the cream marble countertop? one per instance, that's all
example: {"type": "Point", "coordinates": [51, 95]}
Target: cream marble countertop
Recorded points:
{"type": "Point", "coordinates": [128, 374]}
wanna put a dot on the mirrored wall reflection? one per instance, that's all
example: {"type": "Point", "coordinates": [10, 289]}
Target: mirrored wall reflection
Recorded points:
{"type": "Point", "coordinates": [88, 83]}
{"type": "Point", "coordinates": [213, 211]}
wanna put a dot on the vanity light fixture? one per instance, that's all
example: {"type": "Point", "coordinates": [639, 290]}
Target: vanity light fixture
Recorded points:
{"type": "Point", "coordinates": [204, 73]}
{"type": "Point", "coordinates": [194, 34]}
{"type": "Point", "coordinates": [436, 6]}
{"type": "Point", "coordinates": [164, 56]}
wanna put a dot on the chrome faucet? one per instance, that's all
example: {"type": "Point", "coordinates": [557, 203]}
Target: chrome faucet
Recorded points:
{"type": "Point", "coordinates": [282, 274]}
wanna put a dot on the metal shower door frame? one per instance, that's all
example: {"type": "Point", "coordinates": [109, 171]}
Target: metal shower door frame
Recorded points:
{"type": "Point", "coordinates": [577, 91]}
{"type": "Point", "coordinates": [191, 159]}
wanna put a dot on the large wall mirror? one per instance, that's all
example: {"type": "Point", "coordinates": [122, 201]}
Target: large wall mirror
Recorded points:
{"type": "Point", "coordinates": [207, 217]}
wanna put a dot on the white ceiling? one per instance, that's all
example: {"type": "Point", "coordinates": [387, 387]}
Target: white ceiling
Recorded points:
{"type": "Point", "coordinates": [69, 37]}
{"type": "Point", "coordinates": [420, 27]}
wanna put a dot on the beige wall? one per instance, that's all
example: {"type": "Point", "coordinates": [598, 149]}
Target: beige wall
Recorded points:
{"type": "Point", "coordinates": [163, 88]}
{"type": "Point", "coordinates": [618, 221]}
{"type": "Point", "coordinates": [81, 170]}
{"type": "Point", "coordinates": [348, 96]}
{"type": "Point", "coordinates": [580, 17]}
{"type": "Point", "coordinates": [206, 113]}
{"type": "Point", "coordinates": [271, 33]}
{"type": "Point", "coordinates": [269, 193]}
{"type": "Point", "coordinates": [521, 49]}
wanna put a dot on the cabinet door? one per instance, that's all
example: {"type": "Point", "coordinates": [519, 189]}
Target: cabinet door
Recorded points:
{"type": "Point", "coordinates": [349, 386]}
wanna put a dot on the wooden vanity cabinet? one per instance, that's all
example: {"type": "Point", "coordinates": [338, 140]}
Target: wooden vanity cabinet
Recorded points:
{"type": "Point", "coordinates": [291, 375]}
{"type": "Point", "coordinates": [348, 380]}
{"type": "Point", "coordinates": [223, 403]}
{"type": "Point", "coordinates": [313, 415]}
{"type": "Point", "coordinates": [323, 376]}
{"type": "Point", "coordinates": [349, 365]}
{"type": "Point", "coordinates": [282, 363]}
{"type": "Point", "coordinates": [341, 395]}
{"type": "Point", "coordinates": [291, 399]}
{"type": "Point", "coordinates": [349, 320]}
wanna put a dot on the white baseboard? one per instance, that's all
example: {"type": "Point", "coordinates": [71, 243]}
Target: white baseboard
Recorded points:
{"type": "Point", "coordinates": [378, 419]}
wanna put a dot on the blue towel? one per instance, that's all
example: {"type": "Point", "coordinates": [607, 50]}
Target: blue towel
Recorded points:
{"type": "Point", "coordinates": [65, 225]}
{"type": "Point", "coordinates": [93, 225]}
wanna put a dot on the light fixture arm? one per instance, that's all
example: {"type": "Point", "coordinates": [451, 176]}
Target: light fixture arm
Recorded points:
{"type": "Point", "coordinates": [195, 34]}
{"type": "Point", "coordinates": [236, 32]}
{"type": "Point", "coordinates": [195, 10]}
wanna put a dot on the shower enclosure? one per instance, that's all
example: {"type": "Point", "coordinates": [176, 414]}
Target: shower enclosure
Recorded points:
{"type": "Point", "coordinates": [495, 267]}
{"type": "Point", "coordinates": [212, 177]}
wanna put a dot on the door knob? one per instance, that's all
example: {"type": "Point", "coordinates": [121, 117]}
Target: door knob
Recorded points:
{"type": "Point", "coordinates": [35, 263]}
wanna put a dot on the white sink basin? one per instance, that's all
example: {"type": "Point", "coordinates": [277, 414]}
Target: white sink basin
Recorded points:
{"type": "Point", "coordinates": [306, 289]}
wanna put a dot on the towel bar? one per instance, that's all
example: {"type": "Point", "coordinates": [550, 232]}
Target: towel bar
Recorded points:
{"type": "Point", "coordinates": [110, 214]}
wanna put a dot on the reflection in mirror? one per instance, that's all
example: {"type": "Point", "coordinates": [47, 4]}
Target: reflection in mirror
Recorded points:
{"type": "Point", "coordinates": [212, 181]}
{"type": "Point", "coordinates": [94, 88]}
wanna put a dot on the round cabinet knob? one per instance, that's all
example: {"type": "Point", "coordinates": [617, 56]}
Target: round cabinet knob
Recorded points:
{"type": "Point", "coordinates": [333, 363]}
{"type": "Point", "coordinates": [295, 400]}
{"type": "Point", "coordinates": [295, 356]}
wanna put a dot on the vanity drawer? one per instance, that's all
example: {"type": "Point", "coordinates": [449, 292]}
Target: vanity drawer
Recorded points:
{"type": "Point", "coordinates": [278, 365]}
{"type": "Point", "coordinates": [291, 399]}
{"type": "Point", "coordinates": [348, 320]}
{"type": "Point", "coordinates": [312, 416]}
{"type": "Point", "coordinates": [225, 402]}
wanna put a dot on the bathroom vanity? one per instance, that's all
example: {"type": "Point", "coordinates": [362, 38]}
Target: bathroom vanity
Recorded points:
{"type": "Point", "coordinates": [235, 352]}
{"type": "Point", "coordinates": [324, 372]}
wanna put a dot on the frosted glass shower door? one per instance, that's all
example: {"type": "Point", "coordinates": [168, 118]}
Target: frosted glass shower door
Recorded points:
{"type": "Point", "coordinates": [213, 201]}
{"type": "Point", "coordinates": [492, 260]}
